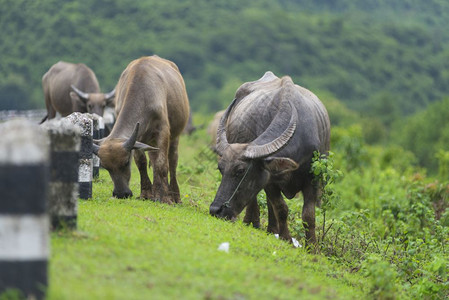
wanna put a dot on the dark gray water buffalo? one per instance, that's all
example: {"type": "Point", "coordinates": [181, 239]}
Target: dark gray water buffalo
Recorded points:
{"type": "Point", "coordinates": [266, 140]}
{"type": "Point", "coordinates": [72, 88]}
{"type": "Point", "coordinates": [152, 109]}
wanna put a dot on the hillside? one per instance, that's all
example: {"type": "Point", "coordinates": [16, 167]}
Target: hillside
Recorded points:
{"type": "Point", "coordinates": [361, 54]}
{"type": "Point", "coordinates": [383, 233]}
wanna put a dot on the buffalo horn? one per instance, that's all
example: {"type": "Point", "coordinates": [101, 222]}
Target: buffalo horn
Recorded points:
{"type": "Point", "coordinates": [129, 144]}
{"type": "Point", "coordinates": [222, 141]}
{"type": "Point", "coordinates": [110, 94]}
{"type": "Point", "coordinates": [95, 148]}
{"type": "Point", "coordinates": [83, 95]}
{"type": "Point", "coordinates": [260, 151]}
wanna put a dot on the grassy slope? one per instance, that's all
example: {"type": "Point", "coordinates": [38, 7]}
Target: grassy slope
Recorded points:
{"type": "Point", "coordinates": [133, 249]}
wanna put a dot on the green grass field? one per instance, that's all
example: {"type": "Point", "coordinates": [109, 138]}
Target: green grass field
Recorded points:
{"type": "Point", "coordinates": [135, 249]}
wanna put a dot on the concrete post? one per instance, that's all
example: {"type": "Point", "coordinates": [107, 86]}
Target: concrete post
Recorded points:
{"type": "Point", "coordinates": [97, 121]}
{"type": "Point", "coordinates": [65, 142]}
{"type": "Point", "coordinates": [101, 120]}
{"type": "Point", "coordinates": [85, 156]}
{"type": "Point", "coordinates": [24, 224]}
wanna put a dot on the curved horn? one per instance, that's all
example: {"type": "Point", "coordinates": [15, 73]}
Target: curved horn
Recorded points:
{"type": "Point", "coordinates": [260, 151]}
{"type": "Point", "coordinates": [95, 149]}
{"type": "Point", "coordinates": [83, 95]}
{"type": "Point", "coordinates": [222, 141]}
{"type": "Point", "coordinates": [110, 94]}
{"type": "Point", "coordinates": [129, 144]}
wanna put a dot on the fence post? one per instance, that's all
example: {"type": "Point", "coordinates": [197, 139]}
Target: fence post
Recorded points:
{"type": "Point", "coordinates": [85, 156]}
{"type": "Point", "coordinates": [96, 121]}
{"type": "Point", "coordinates": [24, 225]}
{"type": "Point", "coordinates": [101, 126]}
{"type": "Point", "coordinates": [65, 144]}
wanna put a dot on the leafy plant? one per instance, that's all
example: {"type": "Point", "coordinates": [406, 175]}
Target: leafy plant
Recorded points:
{"type": "Point", "coordinates": [325, 177]}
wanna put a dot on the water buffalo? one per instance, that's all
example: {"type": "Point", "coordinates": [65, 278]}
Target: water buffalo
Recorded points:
{"type": "Point", "coordinates": [72, 88]}
{"type": "Point", "coordinates": [190, 128]}
{"type": "Point", "coordinates": [212, 128]}
{"type": "Point", "coordinates": [151, 96]}
{"type": "Point", "coordinates": [266, 140]}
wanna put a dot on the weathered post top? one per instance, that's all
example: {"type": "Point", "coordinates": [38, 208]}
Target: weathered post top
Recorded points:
{"type": "Point", "coordinates": [22, 143]}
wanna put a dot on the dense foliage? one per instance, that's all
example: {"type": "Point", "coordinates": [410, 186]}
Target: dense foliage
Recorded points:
{"type": "Point", "coordinates": [427, 135]}
{"type": "Point", "coordinates": [364, 53]}
{"type": "Point", "coordinates": [389, 220]}
{"type": "Point", "coordinates": [381, 216]}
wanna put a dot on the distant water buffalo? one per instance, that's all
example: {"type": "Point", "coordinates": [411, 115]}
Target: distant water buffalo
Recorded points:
{"type": "Point", "coordinates": [266, 139]}
{"type": "Point", "coordinates": [190, 128]}
{"type": "Point", "coordinates": [152, 110]}
{"type": "Point", "coordinates": [72, 88]}
{"type": "Point", "coordinates": [212, 128]}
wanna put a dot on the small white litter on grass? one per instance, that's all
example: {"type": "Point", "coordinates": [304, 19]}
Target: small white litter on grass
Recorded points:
{"type": "Point", "coordinates": [224, 247]}
{"type": "Point", "coordinates": [294, 241]}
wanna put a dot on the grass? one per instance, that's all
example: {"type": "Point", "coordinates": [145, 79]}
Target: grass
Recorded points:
{"type": "Point", "coordinates": [135, 249]}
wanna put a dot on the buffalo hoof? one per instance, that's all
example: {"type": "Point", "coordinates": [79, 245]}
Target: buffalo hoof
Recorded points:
{"type": "Point", "coordinates": [165, 200]}
{"type": "Point", "coordinates": [122, 195]}
{"type": "Point", "coordinates": [176, 198]}
{"type": "Point", "coordinates": [146, 195]}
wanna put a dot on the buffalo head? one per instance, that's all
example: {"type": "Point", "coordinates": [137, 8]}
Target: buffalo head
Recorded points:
{"type": "Point", "coordinates": [91, 102]}
{"type": "Point", "coordinates": [246, 168]}
{"type": "Point", "coordinates": [115, 156]}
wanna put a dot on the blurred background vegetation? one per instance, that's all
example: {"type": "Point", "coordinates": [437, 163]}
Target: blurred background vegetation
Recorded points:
{"type": "Point", "coordinates": [381, 68]}
{"type": "Point", "coordinates": [381, 64]}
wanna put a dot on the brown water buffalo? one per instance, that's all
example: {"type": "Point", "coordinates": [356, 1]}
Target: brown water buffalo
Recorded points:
{"type": "Point", "coordinates": [266, 140]}
{"type": "Point", "coordinates": [72, 88]}
{"type": "Point", "coordinates": [152, 109]}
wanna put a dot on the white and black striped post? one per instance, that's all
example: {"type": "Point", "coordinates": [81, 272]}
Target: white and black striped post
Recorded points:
{"type": "Point", "coordinates": [65, 142]}
{"type": "Point", "coordinates": [24, 225]}
{"type": "Point", "coordinates": [96, 120]}
{"type": "Point", "coordinates": [101, 127]}
{"type": "Point", "coordinates": [85, 155]}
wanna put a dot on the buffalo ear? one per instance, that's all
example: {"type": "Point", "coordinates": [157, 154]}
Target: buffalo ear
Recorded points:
{"type": "Point", "coordinates": [110, 98]}
{"type": "Point", "coordinates": [280, 165]}
{"type": "Point", "coordinates": [110, 102]}
{"type": "Point", "coordinates": [144, 147]}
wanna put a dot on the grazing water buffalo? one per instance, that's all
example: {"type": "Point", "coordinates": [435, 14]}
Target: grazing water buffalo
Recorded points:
{"type": "Point", "coordinates": [152, 109]}
{"type": "Point", "coordinates": [266, 140]}
{"type": "Point", "coordinates": [72, 88]}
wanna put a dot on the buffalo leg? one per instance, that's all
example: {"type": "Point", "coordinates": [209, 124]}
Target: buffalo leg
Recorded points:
{"type": "Point", "coordinates": [280, 211]}
{"type": "Point", "coordinates": [308, 213]}
{"type": "Point", "coordinates": [173, 164]}
{"type": "Point", "coordinates": [273, 226]}
{"type": "Point", "coordinates": [51, 112]}
{"type": "Point", "coordinates": [159, 160]}
{"type": "Point", "coordinates": [145, 182]}
{"type": "Point", "coordinates": [252, 214]}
